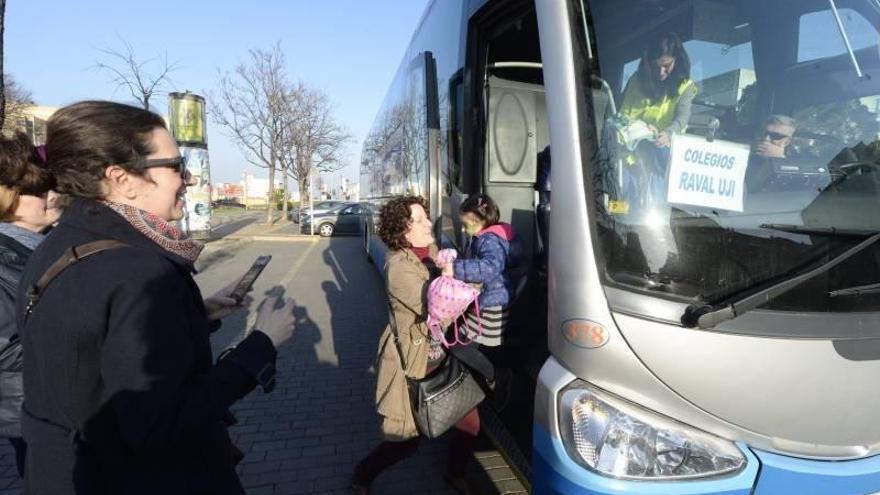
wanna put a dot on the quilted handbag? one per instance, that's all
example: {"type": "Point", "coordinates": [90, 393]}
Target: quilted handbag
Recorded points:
{"type": "Point", "coordinates": [444, 396]}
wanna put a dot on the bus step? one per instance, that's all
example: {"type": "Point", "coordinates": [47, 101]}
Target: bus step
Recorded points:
{"type": "Point", "coordinates": [508, 464]}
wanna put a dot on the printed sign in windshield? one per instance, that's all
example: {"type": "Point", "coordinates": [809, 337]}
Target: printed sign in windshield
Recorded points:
{"type": "Point", "coordinates": [707, 173]}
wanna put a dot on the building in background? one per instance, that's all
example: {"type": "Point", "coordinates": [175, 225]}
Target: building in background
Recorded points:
{"type": "Point", "coordinates": [31, 119]}
{"type": "Point", "coordinates": [228, 191]}
{"type": "Point", "coordinates": [726, 90]}
{"type": "Point", "coordinates": [255, 191]}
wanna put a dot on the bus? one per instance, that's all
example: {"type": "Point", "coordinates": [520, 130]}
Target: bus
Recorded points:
{"type": "Point", "coordinates": [701, 309]}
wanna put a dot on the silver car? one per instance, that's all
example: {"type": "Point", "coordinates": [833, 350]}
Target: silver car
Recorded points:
{"type": "Point", "coordinates": [319, 208]}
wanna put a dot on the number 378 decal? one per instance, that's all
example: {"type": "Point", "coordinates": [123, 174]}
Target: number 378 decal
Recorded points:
{"type": "Point", "coordinates": [584, 333]}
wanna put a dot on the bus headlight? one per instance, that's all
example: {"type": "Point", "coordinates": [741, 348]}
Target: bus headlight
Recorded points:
{"type": "Point", "coordinates": [621, 440]}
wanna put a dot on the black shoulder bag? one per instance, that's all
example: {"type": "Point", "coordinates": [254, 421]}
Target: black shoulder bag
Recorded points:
{"type": "Point", "coordinates": [447, 393]}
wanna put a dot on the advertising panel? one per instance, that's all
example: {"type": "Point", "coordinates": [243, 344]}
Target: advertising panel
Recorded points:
{"type": "Point", "coordinates": [187, 120]}
{"type": "Point", "coordinates": [198, 197]}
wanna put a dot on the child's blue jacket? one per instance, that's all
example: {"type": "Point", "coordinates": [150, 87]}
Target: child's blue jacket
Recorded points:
{"type": "Point", "coordinates": [493, 251]}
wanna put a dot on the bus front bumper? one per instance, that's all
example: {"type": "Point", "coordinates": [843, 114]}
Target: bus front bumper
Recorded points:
{"type": "Point", "coordinates": [554, 472]}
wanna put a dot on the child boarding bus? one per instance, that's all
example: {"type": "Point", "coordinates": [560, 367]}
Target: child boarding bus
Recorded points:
{"type": "Point", "coordinates": [703, 291]}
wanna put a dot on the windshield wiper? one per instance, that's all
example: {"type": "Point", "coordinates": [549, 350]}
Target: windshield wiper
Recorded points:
{"type": "Point", "coordinates": [855, 291]}
{"type": "Point", "coordinates": [709, 315]}
{"type": "Point", "coordinates": [817, 229]}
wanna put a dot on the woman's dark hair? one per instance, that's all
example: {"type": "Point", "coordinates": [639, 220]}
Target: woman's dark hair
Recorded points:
{"type": "Point", "coordinates": [83, 139]}
{"type": "Point", "coordinates": [668, 44]}
{"type": "Point", "coordinates": [483, 207]}
{"type": "Point", "coordinates": [22, 171]}
{"type": "Point", "coordinates": [394, 220]}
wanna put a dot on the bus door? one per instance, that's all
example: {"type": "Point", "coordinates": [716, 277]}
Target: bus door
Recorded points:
{"type": "Point", "coordinates": [502, 141]}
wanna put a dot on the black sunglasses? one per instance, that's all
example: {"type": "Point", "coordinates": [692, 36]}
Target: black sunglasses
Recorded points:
{"type": "Point", "coordinates": [776, 136]}
{"type": "Point", "coordinates": [178, 162]}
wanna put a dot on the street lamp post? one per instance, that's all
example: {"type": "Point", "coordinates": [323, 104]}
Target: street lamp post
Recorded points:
{"type": "Point", "coordinates": [312, 202]}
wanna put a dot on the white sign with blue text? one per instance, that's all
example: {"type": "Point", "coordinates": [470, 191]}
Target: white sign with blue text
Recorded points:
{"type": "Point", "coordinates": [707, 173]}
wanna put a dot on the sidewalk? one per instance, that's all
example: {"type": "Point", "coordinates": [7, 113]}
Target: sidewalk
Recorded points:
{"type": "Point", "coordinates": [252, 225]}
{"type": "Point", "coordinates": [261, 231]}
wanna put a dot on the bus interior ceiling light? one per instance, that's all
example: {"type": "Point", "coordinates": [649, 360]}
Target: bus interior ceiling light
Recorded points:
{"type": "Point", "coordinates": [621, 440]}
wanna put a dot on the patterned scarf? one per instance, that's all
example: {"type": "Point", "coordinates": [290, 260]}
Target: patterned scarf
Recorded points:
{"type": "Point", "coordinates": [160, 231]}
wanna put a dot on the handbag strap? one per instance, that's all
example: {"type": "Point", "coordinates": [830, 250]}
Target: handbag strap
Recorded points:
{"type": "Point", "coordinates": [393, 322]}
{"type": "Point", "coordinates": [475, 360]}
{"type": "Point", "coordinates": [470, 356]}
{"type": "Point", "coordinates": [72, 255]}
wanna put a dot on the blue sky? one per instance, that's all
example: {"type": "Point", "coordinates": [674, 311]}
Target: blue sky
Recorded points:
{"type": "Point", "coordinates": [349, 48]}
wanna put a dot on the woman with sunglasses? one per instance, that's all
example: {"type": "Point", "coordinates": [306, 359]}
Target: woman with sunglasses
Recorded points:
{"type": "Point", "coordinates": [123, 394]}
{"type": "Point", "coordinates": [27, 208]}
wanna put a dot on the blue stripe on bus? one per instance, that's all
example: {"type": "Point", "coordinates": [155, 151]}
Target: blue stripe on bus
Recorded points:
{"type": "Point", "coordinates": [782, 474]}
{"type": "Point", "coordinates": [554, 473]}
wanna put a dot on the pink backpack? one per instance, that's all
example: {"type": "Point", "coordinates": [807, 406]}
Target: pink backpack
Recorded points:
{"type": "Point", "coordinates": [448, 298]}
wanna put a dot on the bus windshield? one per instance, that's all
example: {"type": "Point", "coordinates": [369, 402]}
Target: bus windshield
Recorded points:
{"type": "Point", "coordinates": [737, 145]}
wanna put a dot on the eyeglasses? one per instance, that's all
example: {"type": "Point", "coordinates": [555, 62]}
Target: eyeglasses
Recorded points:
{"type": "Point", "coordinates": [775, 136]}
{"type": "Point", "coordinates": [178, 162]}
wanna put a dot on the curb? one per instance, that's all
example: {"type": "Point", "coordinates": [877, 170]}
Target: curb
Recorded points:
{"type": "Point", "coordinates": [274, 238]}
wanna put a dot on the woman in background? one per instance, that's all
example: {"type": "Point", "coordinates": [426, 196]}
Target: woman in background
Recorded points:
{"type": "Point", "coordinates": [28, 206]}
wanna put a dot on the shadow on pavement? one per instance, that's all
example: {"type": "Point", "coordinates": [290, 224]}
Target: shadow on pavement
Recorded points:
{"type": "Point", "coordinates": [231, 227]}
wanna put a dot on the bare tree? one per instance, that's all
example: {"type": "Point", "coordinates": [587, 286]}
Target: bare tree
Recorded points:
{"type": "Point", "coordinates": [142, 78]}
{"type": "Point", "coordinates": [16, 99]}
{"type": "Point", "coordinates": [2, 56]}
{"type": "Point", "coordinates": [253, 105]}
{"type": "Point", "coordinates": [317, 140]}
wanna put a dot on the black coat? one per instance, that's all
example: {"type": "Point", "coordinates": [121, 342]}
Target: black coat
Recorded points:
{"type": "Point", "coordinates": [13, 256]}
{"type": "Point", "coordinates": [122, 394]}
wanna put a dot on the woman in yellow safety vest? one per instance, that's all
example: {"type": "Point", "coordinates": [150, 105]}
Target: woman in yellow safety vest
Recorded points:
{"type": "Point", "coordinates": [661, 92]}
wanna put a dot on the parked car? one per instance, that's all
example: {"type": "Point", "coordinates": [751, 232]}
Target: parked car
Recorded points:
{"type": "Point", "coordinates": [345, 218]}
{"type": "Point", "coordinates": [226, 202]}
{"type": "Point", "coordinates": [320, 207]}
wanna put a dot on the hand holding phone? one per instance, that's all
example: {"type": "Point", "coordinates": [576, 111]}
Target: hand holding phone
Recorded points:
{"type": "Point", "coordinates": [247, 281]}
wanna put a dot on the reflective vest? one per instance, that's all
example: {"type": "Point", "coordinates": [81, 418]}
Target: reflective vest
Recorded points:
{"type": "Point", "coordinates": [659, 113]}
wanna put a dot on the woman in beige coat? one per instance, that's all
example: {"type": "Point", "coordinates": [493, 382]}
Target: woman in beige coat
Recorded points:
{"type": "Point", "coordinates": [405, 228]}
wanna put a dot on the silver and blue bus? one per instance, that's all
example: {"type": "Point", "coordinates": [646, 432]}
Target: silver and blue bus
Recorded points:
{"type": "Point", "coordinates": [700, 313]}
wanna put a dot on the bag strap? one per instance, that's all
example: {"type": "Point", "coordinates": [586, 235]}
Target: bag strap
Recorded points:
{"type": "Point", "coordinates": [469, 355]}
{"type": "Point", "coordinates": [475, 360]}
{"type": "Point", "coordinates": [393, 322]}
{"type": "Point", "coordinates": [69, 257]}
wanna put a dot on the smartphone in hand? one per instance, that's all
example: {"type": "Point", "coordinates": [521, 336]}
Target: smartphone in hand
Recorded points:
{"type": "Point", "coordinates": [247, 281]}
